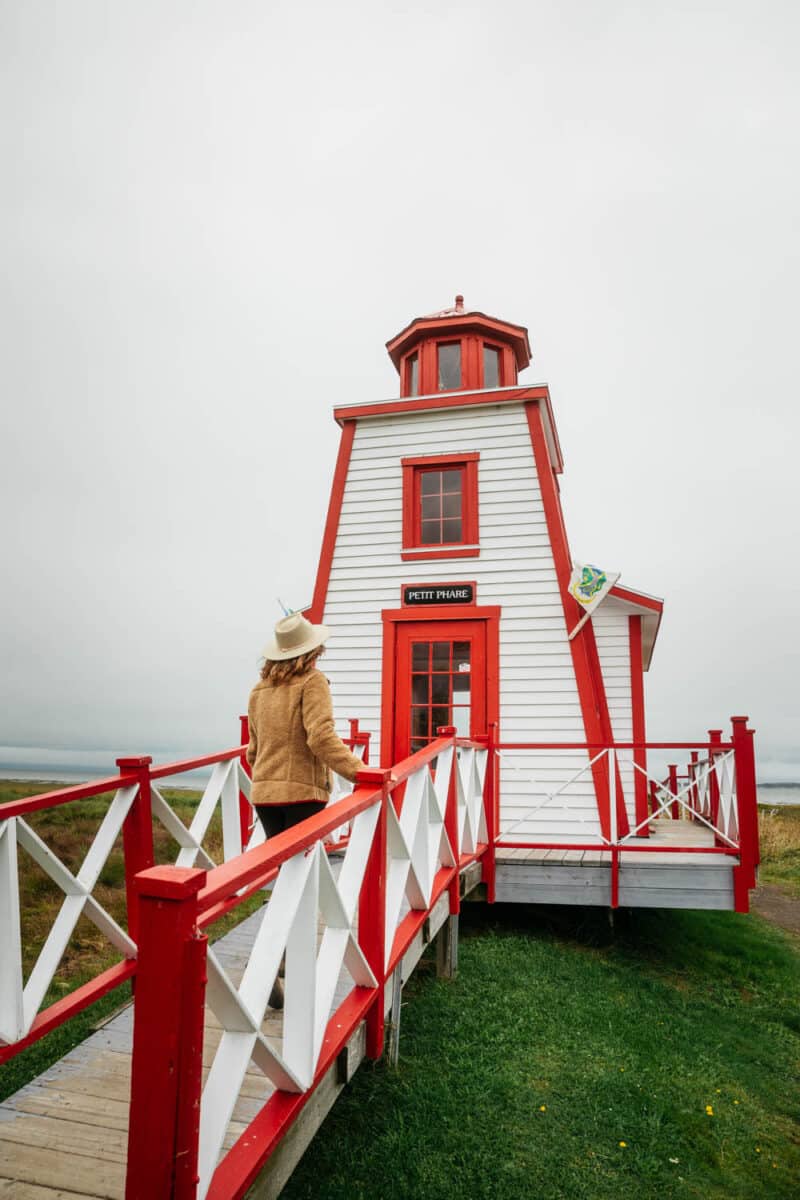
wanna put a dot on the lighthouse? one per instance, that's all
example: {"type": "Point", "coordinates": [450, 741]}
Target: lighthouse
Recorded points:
{"type": "Point", "coordinates": [445, 571]}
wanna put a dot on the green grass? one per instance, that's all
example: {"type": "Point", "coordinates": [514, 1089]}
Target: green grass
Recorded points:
{"type": "Point", "coordinates": [559, 1040]}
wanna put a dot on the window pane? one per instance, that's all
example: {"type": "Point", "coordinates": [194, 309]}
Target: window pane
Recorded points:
{"type": "Point", "coordinates": [432, 508]}
{"type": "Point", "coordinates": [451, 531]}
{"type": "Point", "coordinates": [420, 656]}
{"type": "Point", "coordinates": [461, 721]}
{"type": "Point", "coordinates": [430, 482]}
{"type": "Point", "coordinates": [451, 506]}
{"type": "Point", "coordinates": [449, 366]}
{"type": "Point", "coordinates": [460, 655]}
{"type": "Point", "coordinates": [439, 717]}
{"type": "Point", "coordinates": [460, 688]}
{"type": "Point", "coordinates": [413, 375]}
{"type": "Point", "coordinates": [491, 367]}
{"type": "Point", "coordinates": [441, 657]}
{"type": "Point", "coordinates": [451, 481]}
{"type": "Point", "coordinates": [431, 533]}
{"type": "Point", "coordinates": [419, 689]}
{"type": "Point", "coordinates": [419, 722]}
{"type": "Point", "coordinates": [417, 744]}
{"type": "Point", "coordinates": [440, 689]}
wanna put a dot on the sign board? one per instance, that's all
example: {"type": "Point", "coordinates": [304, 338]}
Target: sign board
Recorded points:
{"type": "Point", "coordinates": [439, 593]}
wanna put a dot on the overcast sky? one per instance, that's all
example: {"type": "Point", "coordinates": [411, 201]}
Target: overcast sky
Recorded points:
{"type": "Point", "coordinates": [213, 216]}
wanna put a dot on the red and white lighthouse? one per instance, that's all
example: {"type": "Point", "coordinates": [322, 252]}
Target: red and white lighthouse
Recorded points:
{"type": "Point", "coordinates": [444, 572]}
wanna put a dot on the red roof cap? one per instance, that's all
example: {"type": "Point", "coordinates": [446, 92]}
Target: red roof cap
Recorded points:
{"type": "Point", "coordinates": [442, 322]}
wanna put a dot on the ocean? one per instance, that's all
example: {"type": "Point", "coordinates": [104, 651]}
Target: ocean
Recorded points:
{"type": "Point", "coordinates": [78, 766]}
{"type": "Point", "coordinates": [33, 763]}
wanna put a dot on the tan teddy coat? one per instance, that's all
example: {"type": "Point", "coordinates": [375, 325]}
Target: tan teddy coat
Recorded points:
{"type": "Point", "coordinates": [293, 743]}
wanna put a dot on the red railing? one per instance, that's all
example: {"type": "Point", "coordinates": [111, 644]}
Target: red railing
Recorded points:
{"type": "Point", "coordinates": [668, 794]}
{"type": "Point", "coordinates": [170, 1150]}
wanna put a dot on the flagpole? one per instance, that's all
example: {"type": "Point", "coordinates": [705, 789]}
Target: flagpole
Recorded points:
{"type": "Point", "coordinates": [579, 626]}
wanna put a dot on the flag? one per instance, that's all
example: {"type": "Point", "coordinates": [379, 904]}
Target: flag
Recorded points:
{"type": "Point", "coordinates": [590, 586]}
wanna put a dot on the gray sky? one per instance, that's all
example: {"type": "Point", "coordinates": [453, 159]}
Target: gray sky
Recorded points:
{"type": "Point", "coordinates": [213, 217]}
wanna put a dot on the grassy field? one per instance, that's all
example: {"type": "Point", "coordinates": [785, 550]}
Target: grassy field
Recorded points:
{"type": "Point", "coordinates": [779, 832]}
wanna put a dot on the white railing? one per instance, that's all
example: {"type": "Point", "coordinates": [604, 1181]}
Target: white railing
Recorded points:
{"type": "Point", "coordinates": [19, 1005]}
{"type": "Point", "coordinates": [718, 771]}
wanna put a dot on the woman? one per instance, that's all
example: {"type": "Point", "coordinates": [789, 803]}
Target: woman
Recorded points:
{"type": "Point", "coordinates": [293, 743]}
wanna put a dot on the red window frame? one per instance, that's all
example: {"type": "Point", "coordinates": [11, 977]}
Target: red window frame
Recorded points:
{"type": "Point", "coordinates": [413, 468]}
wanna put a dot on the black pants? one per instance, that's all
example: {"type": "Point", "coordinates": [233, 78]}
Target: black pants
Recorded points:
{"type": "Point", "coordinates": [276, 818]}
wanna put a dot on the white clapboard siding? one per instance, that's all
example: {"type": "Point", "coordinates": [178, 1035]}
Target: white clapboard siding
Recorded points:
{"type": "Point", "coordinates": [610, 623]}
{"type": "Point", "coordinates": [538, 694]}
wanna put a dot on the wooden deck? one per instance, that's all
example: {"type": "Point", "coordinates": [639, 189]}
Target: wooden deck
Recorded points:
{"type": "Point", "coordinates": [646, 880]}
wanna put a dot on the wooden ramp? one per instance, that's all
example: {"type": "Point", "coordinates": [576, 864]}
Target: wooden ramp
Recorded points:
{"type": "Point", "coordinates": [646, 879]}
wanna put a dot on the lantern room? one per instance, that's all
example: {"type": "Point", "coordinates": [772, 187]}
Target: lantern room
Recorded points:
{"type": "Point", "coordinates": [458, 351]}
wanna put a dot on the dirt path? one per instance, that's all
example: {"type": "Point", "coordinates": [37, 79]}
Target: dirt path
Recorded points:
{"type": "Point", "coordinates": [774, 905]}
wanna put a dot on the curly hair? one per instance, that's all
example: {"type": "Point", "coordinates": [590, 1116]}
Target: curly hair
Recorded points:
{"type": "Point", "coordinates": [289, 668]}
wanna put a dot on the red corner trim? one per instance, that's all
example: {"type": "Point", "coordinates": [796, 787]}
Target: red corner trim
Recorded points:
{"type": "Point", "coordinates": [585, 659]}
{"type": "Point", "coordinates": [315, 612]}
{"type": "Point", "coordinates": [638, 729]}
{"type": "Point", "coordinates": [633, 597]}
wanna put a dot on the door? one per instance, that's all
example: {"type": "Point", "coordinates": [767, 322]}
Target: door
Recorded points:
{"type": "Point", "coordinates": [440, 679]}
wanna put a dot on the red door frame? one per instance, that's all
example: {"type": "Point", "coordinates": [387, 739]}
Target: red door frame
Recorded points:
{"type": "Point", "coordinates": [431, 631]}
{"type": "Point", "coordinates": [452, 614]}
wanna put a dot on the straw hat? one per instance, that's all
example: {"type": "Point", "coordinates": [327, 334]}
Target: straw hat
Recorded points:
{"type": "Point", "coordinates": [294, 635]}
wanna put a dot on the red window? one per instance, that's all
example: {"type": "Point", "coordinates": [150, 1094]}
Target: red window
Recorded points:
{"type": "Point", "coordinates": [448, 368]}
{"type": "Point", "coordinates": [440, 506]}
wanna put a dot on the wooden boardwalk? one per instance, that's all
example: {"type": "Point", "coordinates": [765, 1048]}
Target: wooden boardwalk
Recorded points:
{"type": "Point", "coordinates": [64, 1136]}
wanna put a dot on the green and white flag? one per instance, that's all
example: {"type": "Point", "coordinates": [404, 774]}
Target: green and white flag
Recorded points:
{"type": "Point", "coordinates": [589, 585]}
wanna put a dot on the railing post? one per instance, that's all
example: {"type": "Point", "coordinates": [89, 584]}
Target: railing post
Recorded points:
{"type": "Point", "coordinates": [613, 830]}
{"type": "Point", "coordinates": [490, 808]}
{"type": "Point", "coordinates": [372, 911]}
{"type": "Point", "coordinates": [653, 796]}
{"type": "Point", "coordinates": [674, 808]}
{"type": "Point", "coordinates": [246, 811]}
{"type": "Point", "coordinates": [167, 1037]}
{"type": "Point", "coordinates": [137, 835]}
{"type": "Point", "coordinates": [358, 737]}
{"type": "Point", "coordinates": [695, 757]}
{"type": "Point", "coordinates": [714, 736]}
{"type": "Point", "coordinates": [451, 820]}
{"type": "Point", "coordinates": [746, 804]}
